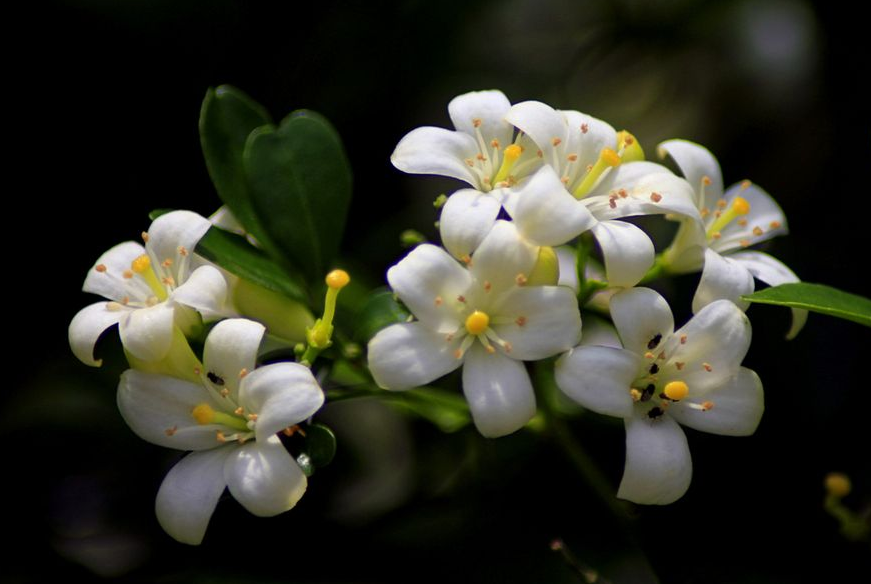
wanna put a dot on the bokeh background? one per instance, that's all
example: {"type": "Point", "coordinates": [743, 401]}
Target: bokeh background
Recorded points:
{"type": "Point", "coordinates": [105, 97]}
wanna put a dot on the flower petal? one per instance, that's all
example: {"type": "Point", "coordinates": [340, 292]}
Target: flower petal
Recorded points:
{"type": "Point", "coordinates": [540, 122]}
{"type": "Point", "coordinates": [110, 283]}
{"type": "Point", "coordinates": [407, 355]}
{"type": "Point", "coordinates": [714, 343]}
{"type": "Point", "coordinates": [722, 278]}
{"type": "Point", "coordinates": [158, 409]}
{"type": "Point", "coordinates": [649, 189]}
{"type": "Point", "coordinates": [568, 267]}
{"type": "Point", "coordinates": [87, 326]}
{"type": "Point", "coordinates": [586, 136]}
{"type": "Point", "coordinates": [627, 251]}
{"type": "Point", "coordinates": [499, 392]}
{"type": "Point", "coordinates": [658, 467]}
{"type": "Point", "coordinates": [599, 332]}
{"type": "Point", "coordinates": [467, 217]}
{"type": "Point", "coordinates": [696, 163]}
{"type": "Point", "coordinates": [765, 220]}
{"type": "Point", "coordinates": [502, 256]}
{"type": "Point", "coordinates": [538, 321]}
{"type": "Point", "coordinates": [488, 109]}
{"type": "Point", "coordinates": [147, 332]}
{"type": "Point", "coordinates": [599, 378]}
{"type": "Point", "coordinates": [281, 394]}
{"type": "Point", "coordinates": [737, 409]}
{"type": "Point", "coordinates": [205, 291]}
{"type": "Point", "coordinates": [230, 349]}
{"type": "Point", "coordinates": [171, 232]}
{"type": "Point", "coordinates": [264, 478]}
{"type": "Point", "coordinates": [428, 280]}
{"type": "Point", "coordinates": [773, 272]}
{"type": "Point", "coordinates": [189, 494]}
{"type": "Point", "coordinates": [429, 150]}
{"type": "Point", "coordinates": [545, 213]}
{"type": "Point", "coordinates": [640, 314]}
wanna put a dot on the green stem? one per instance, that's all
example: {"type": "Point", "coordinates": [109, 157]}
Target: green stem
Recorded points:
{"type": "Point", "coordinates": [655, 271]}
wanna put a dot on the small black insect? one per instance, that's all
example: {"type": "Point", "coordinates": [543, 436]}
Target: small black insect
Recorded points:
{"type": "Point", "coordinates": [655, 413]}
{"type": "Point", "coordinates": [214, 378]}
{"type": "Point", "coordinates": [648, 392]}
{"type": "Point", "coordinates": [652, 344]}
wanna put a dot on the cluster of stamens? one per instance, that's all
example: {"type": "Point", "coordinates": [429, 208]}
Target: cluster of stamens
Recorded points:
{"type": "Point", "coordinates": [495, 166]}
{"type": "Point", "coordinates": [145, 283]}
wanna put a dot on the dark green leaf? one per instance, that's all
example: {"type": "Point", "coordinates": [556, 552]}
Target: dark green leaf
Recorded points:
{"type": "Point", "coordinates": [320, 444]}
{"type": "Point", "coordinates": [817, 298]}
{"type": "Point", "coordinates": [233, 253]}
{"type": "Point", "coordinates": [445, 409]}
{"type": "Point", "coordinates": [155, 213]}
{"type": "Point", "coordinates": [227, 117]}
{"type": "Point", "coordinates": [300, 187]}
{"type": "Point", "coordinates": [381, 310]}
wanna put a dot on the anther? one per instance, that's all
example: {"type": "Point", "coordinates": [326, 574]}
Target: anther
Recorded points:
{"type": "Point", "coordinates": [649, 355]}
{"type": "Point", "coordinates": [243, 372]}
{"type": "Point", "coordinates": [140, 264]}
{"type": "Point", "coordinates": [716, 235]}
{"type": "Point", "coordinates": [744, 243]}
{"type": "Point", "coordinates": [676, 390]}
{"type": "Point", "coordinates": [655, 412]}
{"type": "Point", "coordinates": [171, 431]}
{"type": "Point", "coordinates": [481, 157]}
{"type": "Point", "coordinates": [572, 157]}
{"type": "Point", "coordinates": [636, 395]}
{"type": "Point", "coordinates": [556, 141]}
{"type": "Point", "coordinates": [585, 128]}
{"type": "Point", "coordinates": [168, 280]}
{"type": "Point", "coordinates": [100, 267]}
{"type": "Point", "coordinates": [745, 184]}
{"type": "Point", "coordinates": [219, 436]}
{"type": "Point", "coordinates": [654, 369]}
{"type": "Point", "coordinates": [470, 162]}
{"type": "Point", "coordinates": [125, 301]}
{"type": "Point", "coordinates": [476, 122]}
{"type": "Point", "coordinates": [461, 298]}
{"type": "Point", "coordinates": [612, 203]}
{"type": "Point", "coordinates": [539, 153]}
{"type": "Point", "coordinates": [295, 429]}
{"type": "Point", "coordinates": [683, 339]}
{"type": "Point", "coordinates": [114, 306]}
{"type": "Point", "coordinates": [215, 379]}
{"type": "Point", "coordinates": [166, 263]}
{"type": "Point", "coordinates": [239, 411]}
{"type": "Point", "coordinates": [679, 365]}
{"type": "Point", "coordinates": [466, 259]}
{"type": "Point", "coordinates": [490, 349]}
{"type": "Point", "coordinates": [521, 279]}
{"type": "Point", "coordinates": [774, 224]}
{"type": "Point", "coordinates": [521, 320]}
{"type": "Point", "coordinates": [252, 417]}
{"type": "Point", "coordinates": [182, 250]}
{"type": "Point", "coordinates": [458, 354]}
{"type": "Point", "coordinates": [623, 194]}
{"type": "Point", "coordinates": [707, 367]}
{"type": "Point", "coordinates": [494, 143]}
{"type": "Point", "coordinates": [706, 180]}
{"type": "Point", "coordinates": [705, 212]}
{"type": "Point", "coordinates": [127, 274]}
{"type": "Point", "coordinates": [438, 301]}
{"type": "Point", "coordinates": [742, 222]}
{"type": "Point", "coordinates": [487, 286]}
{"type": "Point", "coordinates": [144, 235]}
{"type": "Point", "coordinates": [722, 204]}
{"type": "Point", "coordinates": [655, 197]}
{"type": "Point", "coordinates": [225, 392]}
{"type": "Point", "coordinates": [648, 392]}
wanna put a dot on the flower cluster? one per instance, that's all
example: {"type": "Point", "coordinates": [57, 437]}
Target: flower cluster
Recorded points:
{"type": "Point", "coordinates": [502, 291]}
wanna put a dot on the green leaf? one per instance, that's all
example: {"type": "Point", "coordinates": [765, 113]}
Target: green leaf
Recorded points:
{"type": "Point", "coordinates": [320, 444]}
{"type": "Point", "coordinates": [445, 409]}
{"type": "Point", "coordinates": [380, 310]}
{"type": "Point", "coordinates": [227, 117]}
{"type": "Point", "coordinates": [233, 253]}
{"type": "Point", "coordinates": [816, 298]}
{"type": "Point", "coordinates": [300, 187]}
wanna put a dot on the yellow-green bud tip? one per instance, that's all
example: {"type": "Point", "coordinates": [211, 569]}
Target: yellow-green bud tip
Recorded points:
{"type": "Point", "coordinates": [676, 390]}
{"type": "Point", "coordinates": [740, 205]}
{"type": "Point", "coordinates": [477, 322]}
{"type": "Point", "coordinates": [338, 279]}
{"type": "Point", "coordinates": [838, 484]}
{"type": "Point", "coordinates": [140, 264]}
{"type": "Point", "coordinates": [203, 414]}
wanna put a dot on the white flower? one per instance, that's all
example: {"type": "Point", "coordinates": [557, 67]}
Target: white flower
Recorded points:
{"type": "Point", "coordinates": [483, 317]}
{"type": "Point", "coordinates": [150, 289]}
{"type": "Point", "coordinates": [661, 377]}
{"type": "Point", "coordinates": [229, 419]}
{"type": "Point", "coordinates": [593, 176]}
{"type": "Point", "coordinates": [742, 216]}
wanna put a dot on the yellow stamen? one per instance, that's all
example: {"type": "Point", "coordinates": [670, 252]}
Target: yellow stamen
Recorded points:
{"type": "Point", "coordinates": [338, 279]}
{"type": "Point", "coordinates": [607, 159]}
{"type": "Point", "coordinates": [204, 414]}
{"type": "Point", "coordinates": [142, 266]}
{"type": "Point", "coordinates": [676, 390]}
{"type": "Point", "coordinates": [739, 207]}
{"type": "Point", "coordinates": [477, 322]}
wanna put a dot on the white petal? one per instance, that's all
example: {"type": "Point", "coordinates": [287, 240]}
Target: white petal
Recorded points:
{"type": "Point", "coordinates": [147, 332]}
{"type": "Point", "coordinates": [696, 162]}
{"type": "Point", "coordinates": [205, 291]}
{"type": "Point", "coordinates": [231, 348]}
{"type": "Point", "coordinates": [627, 250]}
{"type": "Point", "coordinates": [499, 392]}
{"type": "Point", "coordinates": [407, 355]}
{"type": "Point", "coordinates": [158, 409]}
{"type": "Point", "coordinates": [502, 256]}
{"type": "Point", "coordinates": [658, 465]}
{"type": "Point", "coordinates": [764, 213]}
{"type": "Point", "coordinates": [429, 150]}
{"type": "Point", "coordinates": [172, 231]}
{"type": "Point", "coordinates": [225, 219]}
{"type": "Point", "coordinates": [722, 278]}
{"type": "Point", "coordinates": [640, 314]}
{"type": "Point", "coordinates": [545, 212]}
{"type": "Point", "coordinates": [467, 217]}
{"type": "Point", "coordinates": [189, 494]}
{"type": "Point", "coordinates": [686, 253]}
{"type": "Point", "coordinates": [716, 340]}
{"type": "Point", "coordinates": [650, 190]}
{"type": "Point", "coordinates": [538, 321]}
{"type": "Point", "coordinates": [281, 394]}
{"type": "Point", "coordinates": [264, 478]}
{"type": "Point", "coordinates": [540, 122]}
{"type": "Point", "coordinates": [87, 326]}
{"type": "Point", "coordinates": [428, 280]}
{"type": "Point", "coordinates": [774, 273]}
{"type": "Point", "coordinates": [738, 406]}
{"type": "Point", "coordinates": [586, 136]}
{"type": "Point", "coordinates": [599, 332]}
{"type": "Point", "coordinates": [599, 378]}
{"type": "Point", "coordinates": [489, 109]}
{"type": "Point", "coordinates": [110, 283]}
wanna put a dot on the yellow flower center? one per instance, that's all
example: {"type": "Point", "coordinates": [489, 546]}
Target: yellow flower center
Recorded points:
{"type": "Point", "coordinates": [477, 322]}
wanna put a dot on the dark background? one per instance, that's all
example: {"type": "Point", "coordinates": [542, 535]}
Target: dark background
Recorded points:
{"type": "Point", "coordinates": [103, 99]}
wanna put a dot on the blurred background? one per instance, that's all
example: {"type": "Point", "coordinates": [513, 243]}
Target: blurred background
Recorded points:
{"type": "Point", "coordinates": [105, 98]}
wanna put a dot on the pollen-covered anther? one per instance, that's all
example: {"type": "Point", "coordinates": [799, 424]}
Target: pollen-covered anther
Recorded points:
{"type": "Point", "coordinates": [722, 204]}
{"type": "Point", "coordinates": [140, 264]}
{"type": "Point", "coordinates": [679, 365]}
{"type": "Point", "coordinates": [757, 231]}
{"type": "Point", "coordinates": [521, 320]}
{"type": "Point", "coordinates": [683, 339]}
{"type": "Point", "coordinates": [144, 236]}
{"type": "Point", "coordinates": [461, 299]}
{"type": "Point", "coordinates": [243, 372]}
{"type": "Point", "coordinates": [707, 367]}
{"type": "Point", "coordinates": [125, 301]}
{"type": "Point", "coordinates": [295, 429]}
{"type": "Point", "coordinates": [744, 243]}
{"type": "Point", "coordinates": [703, 407]}
{"type": "Point", "coordinates": [481, 157]}
{"type": "Point", "coordinates": [127, 274]}
{"type": "Point", "coordinates": [636, 395]}
{"type": "Point", "coordinates": [649, 355]}
{"type": "Point", "coordinates": [585, 128]}
{"type": "Point", "coordinates": [458, 354]}
{"type": "Point", "coordinates": [490, 349]}
{"type": "Point", "coordinates": [774, 224]}
{"type": "Point", "coordinates": [114, 306]}
{"type": "Point", "coordinates": [539, 153]}
{"type": "Point", "coordinates": [655, 197]}
{"type": "Point", "coordinates": [152, 301]}
{"type": "Point", "coordinates": [166, 263]}
{"type": "Point", "coordinates": [449, 337]}
{"type": "Point", "coordinates": [705, 212]}
{"type": "Point", "coordinates": [623, 194]}
{"type": "Point", "coordinates": [477, 322]}
{"type": "Point", "coordinates": [171, 431]}
{"type": "Point", "coordinates": [494, 143]}
{"type": "Point", "coordinates": [225, 392]}
{"type": "Point", "coordinates": [466, 259]}
{"type": "Point", "coordinates": [252, 417]}
{"type": "Point", "coordinates": [219, 436]}
{"type": "Point", "coordinates": [556, 141]}
{"type": "Point", "coordinates": [438, 301]}
{"type": "Point", "coordinates": [476, 122]}
{"type": "Point", "coordinates": [706, 180]}
{"type": "Point", "coordinates": [745, 184]}
{"type": "Point", "coordinates": [676, 390]}
{"type": "Point", "coordinates": [168, 280]}
{"type": "Point", "coordinates": [470, 162]}
{"type": "Point", "coordinates": [100, 267]}
{"type": "Point", "coordinates": [742, 222]}
{"type": "Point", "coordinates": [521, 279]}
{"type": "Point", "coordinates": [716, 235]}
{"type": "Point", "coordinates": [572, 157]}
{"type": "Point", "coordinates": [239, 411]}
{"type": "Point", "coordinates": [487, 286]}
{"type": "Point", "coordinates": [182, 250]}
